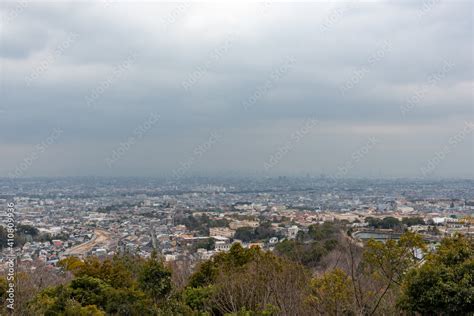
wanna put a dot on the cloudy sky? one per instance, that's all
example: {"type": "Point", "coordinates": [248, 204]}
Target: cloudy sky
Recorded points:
{"type": "Point", "coordinates": [354, 89]}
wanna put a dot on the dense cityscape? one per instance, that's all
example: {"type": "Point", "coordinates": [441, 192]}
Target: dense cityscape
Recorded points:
{"type": "Point", "coordinates": [191, 220]}
{"type": "Point", "coordinates": [236, 158]}
{"type": "Point", "coordinates": [188, 222]}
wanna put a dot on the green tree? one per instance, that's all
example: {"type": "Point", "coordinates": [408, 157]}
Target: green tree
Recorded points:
{"type": "Point", "coordinates": [208, 244]}
{"type": "Point", "coordinates": [204, 275]}
{"type": "Point", "coordinates": [322, 231]}
{"type": "Point", "coordinates": [199, 298]}
{"type": "Point", "coordinates": [108, 286]}
{"type": "Point", "coordinates": [248, 280]}
{"type": "Point", "coordinates": [113, 271]}
{"type": "Point", "coordinates": [27, 230]}
{"type": "Point", "coordinates": [390, 222]}
{"type": "Point", "coordinates": [444, 284]}
{"type": "Point", "coordinates": [391, 259]}
{"type": "Point", "coordinates": [410, 221]}
{"type": "Point", "coordinates": [246, 234]}
{"type": "Point", "coordinates": [385, 223]}
{"type": "Point", "coordinates": [387, 262]}
{"type": "Point", "coordinates": [73, 308]}
{"type": "Point", "coordinates": [331, 294]}
{"type": "Point", "coordinates": [309, 248]}
{"type": "Point", "coordinates": [88, 290]}
{"type": "Point", "coordinates": [155, 278]}
{"type": "Point", "coordinates": [377, 270]}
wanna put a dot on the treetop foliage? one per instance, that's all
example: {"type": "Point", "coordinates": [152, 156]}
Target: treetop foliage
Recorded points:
{"type": "Point", "coordinates": [377, 279]}
{"type": "Point", "coordinates": [444, 284]}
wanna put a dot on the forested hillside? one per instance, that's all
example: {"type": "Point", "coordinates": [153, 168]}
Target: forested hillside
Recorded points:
{"type": "Point", "coordinates": [377, 279]}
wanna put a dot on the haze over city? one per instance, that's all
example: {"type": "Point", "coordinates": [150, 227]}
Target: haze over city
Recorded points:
{"type": "Point", "coordinates": [236, 158]}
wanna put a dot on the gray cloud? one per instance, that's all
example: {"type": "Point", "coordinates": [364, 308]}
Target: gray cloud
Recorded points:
{"type": "Point", "coordinates": [173, 40]}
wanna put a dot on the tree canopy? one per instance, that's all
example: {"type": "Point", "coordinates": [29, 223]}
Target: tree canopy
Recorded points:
{"type": "Point", "coordinates": [444, 284]}
{"type": "Point", "coordinates": [380, 278]}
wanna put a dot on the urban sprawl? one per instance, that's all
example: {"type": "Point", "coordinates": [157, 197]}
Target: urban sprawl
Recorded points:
{"type": "Point", "coordinates": [191, 220]}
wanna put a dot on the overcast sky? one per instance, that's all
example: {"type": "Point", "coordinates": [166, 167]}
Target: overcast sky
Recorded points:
{"type": "Point", "coordinates": [344, 89]}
